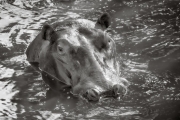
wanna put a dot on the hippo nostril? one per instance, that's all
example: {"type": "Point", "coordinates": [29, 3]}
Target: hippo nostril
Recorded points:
{"type": "Point", "coordinates": [118, 90]}
{"type": "Point", "coordinates": [91, 95]}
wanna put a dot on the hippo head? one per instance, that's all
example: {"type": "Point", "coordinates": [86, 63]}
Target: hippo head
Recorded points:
{"type": "Point", "coordinates": [81, 55]}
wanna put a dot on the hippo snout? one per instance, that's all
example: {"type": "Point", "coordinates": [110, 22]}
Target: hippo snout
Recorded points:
{"type": "Point", "coordinates": [94, 95]}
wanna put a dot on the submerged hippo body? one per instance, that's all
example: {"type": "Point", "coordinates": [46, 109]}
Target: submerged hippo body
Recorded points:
{"type": "Point", "coordinates": [78, 54]}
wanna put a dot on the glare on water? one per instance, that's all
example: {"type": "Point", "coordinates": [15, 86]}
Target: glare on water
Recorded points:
{"type": "Point", "coordinates": [147, 37]}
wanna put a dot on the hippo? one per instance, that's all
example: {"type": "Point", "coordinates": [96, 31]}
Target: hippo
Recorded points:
{"type": "Point", "coordinates": [78, 55]}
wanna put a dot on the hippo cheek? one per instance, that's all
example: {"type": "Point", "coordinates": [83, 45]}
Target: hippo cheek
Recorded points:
{"type": "Point", "coordinates": [54, 83]}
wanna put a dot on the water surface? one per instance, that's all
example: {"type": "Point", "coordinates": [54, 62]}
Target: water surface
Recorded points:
{"type": "Point", "coordinates": [147, 36]}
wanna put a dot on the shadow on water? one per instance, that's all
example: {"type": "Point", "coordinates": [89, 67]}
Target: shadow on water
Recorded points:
{"type": "Point", "coordinates": [147, 38]}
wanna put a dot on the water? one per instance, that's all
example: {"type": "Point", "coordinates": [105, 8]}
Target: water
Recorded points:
{"type": "Point", "coordinates": [148, 39]}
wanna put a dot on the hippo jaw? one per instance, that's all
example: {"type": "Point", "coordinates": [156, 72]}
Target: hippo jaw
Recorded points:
{"type": "Point", "coordinates": [92, 86]}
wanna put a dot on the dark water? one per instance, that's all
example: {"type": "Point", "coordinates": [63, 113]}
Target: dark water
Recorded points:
{"type": "Point", "coordinates": [147, 34]}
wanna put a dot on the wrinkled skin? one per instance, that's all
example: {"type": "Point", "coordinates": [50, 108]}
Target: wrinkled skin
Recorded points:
{"type": "Point", "coordinates": [78, 54]}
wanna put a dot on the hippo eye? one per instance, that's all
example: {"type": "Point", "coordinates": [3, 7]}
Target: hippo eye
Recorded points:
{"type": "Point", "coordinates": [60, 49]}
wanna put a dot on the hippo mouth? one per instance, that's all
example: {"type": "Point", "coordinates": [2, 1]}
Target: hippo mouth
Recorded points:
{"type": "Point", "coordinates": [95, 95]}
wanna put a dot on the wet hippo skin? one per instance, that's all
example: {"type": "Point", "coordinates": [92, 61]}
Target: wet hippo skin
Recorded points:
{"type": "Point", "coordinates": [80, 55]}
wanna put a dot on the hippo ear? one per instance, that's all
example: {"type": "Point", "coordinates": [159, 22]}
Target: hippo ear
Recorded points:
{"type": "Point", "coordinates": [104, 21]}
{"type": "Point", "coordinates": [48, 32]}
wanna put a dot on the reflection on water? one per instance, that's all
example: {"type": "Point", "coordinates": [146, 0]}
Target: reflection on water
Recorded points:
{"type": "Point", "coordinates": [147, 36]}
